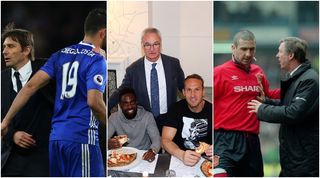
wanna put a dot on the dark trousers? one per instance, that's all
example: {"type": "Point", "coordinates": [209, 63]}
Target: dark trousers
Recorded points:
{"type": "Point", "coordinates": [21, 164]}
{"type": "Point", "coordinates": [240, 153]}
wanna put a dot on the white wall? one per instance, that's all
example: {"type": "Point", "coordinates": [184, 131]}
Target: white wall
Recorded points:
{"type": "Point", "coordinates": [126, 20]}
{"type": "Point", "coordinates": [186, 29]}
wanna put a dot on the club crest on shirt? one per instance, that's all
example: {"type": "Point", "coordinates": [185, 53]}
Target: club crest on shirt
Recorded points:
{"type": "Point", "coordinates": [98, 79]}
{"type": "Point", "coordinates": [234, 77]}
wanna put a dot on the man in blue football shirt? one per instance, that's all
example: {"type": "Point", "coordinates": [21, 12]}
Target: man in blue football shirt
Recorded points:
{"type": "Point", "coordinates": [80, 75]}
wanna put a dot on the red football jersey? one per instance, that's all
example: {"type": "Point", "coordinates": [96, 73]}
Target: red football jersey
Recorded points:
{"type": "Point", "coordinates": [233, 89]}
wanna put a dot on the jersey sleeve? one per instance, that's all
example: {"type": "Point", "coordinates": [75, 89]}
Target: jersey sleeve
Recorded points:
{"type": "Point", "coordinates": [49, 66]}
{"type": "Point", "coordinates": [97, 74]}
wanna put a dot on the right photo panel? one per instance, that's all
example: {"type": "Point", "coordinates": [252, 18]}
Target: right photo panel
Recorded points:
{"type": "Point", "coordinates": [266, 88]}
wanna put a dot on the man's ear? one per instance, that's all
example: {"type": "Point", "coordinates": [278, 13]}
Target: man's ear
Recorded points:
{"type": "Point", "coordinates": [291, 56]}
{"type": "Point", "coordinates": [183, 92]}
{"type": "Point", "coordinates": [102, 33]}
{"type": "Point", "coordinates": [233, 47]}
{"type": "Point", "coordinates": [27, 50]}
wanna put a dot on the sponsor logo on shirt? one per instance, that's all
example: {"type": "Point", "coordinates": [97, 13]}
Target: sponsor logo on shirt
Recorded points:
{"type": "Point", "coordinates": [245, 88]}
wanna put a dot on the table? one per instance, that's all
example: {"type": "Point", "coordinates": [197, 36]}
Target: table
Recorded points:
{"type": "Point", "coordinates": [163, 164]}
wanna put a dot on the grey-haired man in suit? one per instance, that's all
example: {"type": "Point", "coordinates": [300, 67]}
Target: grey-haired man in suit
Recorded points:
{"type": "Point", "coordinates": [155, 78]}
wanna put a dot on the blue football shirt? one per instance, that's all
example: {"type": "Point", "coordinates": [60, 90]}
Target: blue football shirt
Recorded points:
{"type": "Point", "coordinates": [76, 69]}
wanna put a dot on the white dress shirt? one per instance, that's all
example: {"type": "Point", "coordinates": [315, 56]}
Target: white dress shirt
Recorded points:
{"type": "Point", "coordinates": [291, 73]}
{"type": "Point", "coordinates": [161, 80]}
{"type": "Point", "coordinates": [25, 73]}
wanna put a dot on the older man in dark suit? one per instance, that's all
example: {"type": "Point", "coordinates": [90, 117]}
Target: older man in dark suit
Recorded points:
{"type": "Point", "coordinates": [156, 78]}
{"type": "Point", "coordinates": [25, 147]}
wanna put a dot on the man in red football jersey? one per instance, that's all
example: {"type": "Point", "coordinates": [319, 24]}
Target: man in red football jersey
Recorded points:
{"type": "Point", "coordinates": [236, 82]}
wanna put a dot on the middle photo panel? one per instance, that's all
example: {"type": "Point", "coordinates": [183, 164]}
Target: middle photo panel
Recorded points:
{"type": "Point", "coordinates": [159, 88]}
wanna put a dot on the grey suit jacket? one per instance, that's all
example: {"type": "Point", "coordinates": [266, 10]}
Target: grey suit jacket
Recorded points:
{"type": "Point", "coordinates": [135, 78]}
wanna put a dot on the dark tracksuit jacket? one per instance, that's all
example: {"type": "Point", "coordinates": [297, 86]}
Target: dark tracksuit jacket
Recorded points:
{"type": "Point", "coordinates": [298, 114]}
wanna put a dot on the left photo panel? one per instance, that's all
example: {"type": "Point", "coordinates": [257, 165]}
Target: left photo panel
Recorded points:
{"type": "Point", "coordinates": [53, 84]}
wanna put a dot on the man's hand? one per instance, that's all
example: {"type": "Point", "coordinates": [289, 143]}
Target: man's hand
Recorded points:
{"type": "Point", "coordinates": [191, 158]}
{"type": "Point", "coordinates": [113, 143]}
{"type": "Point", "coordinates": [254, 105]}
{"type": "Point", "coordinates": [149, 156]}
{"type": "Point", "coordinates": [23, 139]}
{"type": "Point", "coordinates": [4, 129]}
{"type": "Point", "coordinates": [209, 151]}
{"type": "Point", "coordinates": [262, 96]}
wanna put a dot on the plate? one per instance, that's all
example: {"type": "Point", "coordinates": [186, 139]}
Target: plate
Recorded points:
{"type": "Point", "coordinates": [204, 169]}
{"type": "Point", "coordinates": [126, 150]}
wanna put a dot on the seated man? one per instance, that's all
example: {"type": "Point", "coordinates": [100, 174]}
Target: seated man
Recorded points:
{"type": "Point", "coordinates": [135, 122]}
{"type": "Point", "coordinates": [189, 121]}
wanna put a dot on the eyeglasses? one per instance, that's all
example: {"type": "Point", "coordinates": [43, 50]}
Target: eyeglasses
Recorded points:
{"type": "Point", "coordinates": [148, 45]}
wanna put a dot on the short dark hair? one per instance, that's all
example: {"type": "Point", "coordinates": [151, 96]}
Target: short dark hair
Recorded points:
{"type": "Point", "coordinates": [244, 35]}
{"type": "Point", "coordinates": [195, 76]}
{"type": "Point", "coordinates": [95, 21]}
{"type": "Point", "coordinates": [125, 91]}
{"type": "Point", "coordinates": [21, 36]}
{"type": "Point", "coordinates": [296, 46]}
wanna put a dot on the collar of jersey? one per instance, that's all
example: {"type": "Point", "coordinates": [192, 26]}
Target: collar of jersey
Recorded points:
{"type": "Point", "coordinates": [240, 66]}
{"type": "Point", "coordinates": [87, 44]}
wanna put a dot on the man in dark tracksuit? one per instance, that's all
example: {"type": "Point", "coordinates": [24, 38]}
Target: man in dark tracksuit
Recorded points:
{"type": "Point", "coordinates": [297, 111]}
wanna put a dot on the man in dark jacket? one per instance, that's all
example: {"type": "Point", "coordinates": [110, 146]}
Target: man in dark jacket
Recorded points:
{"type": "Point", "coordinates": [24, 151]}
{"type": "Point", "coordinates": [297, 111]}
